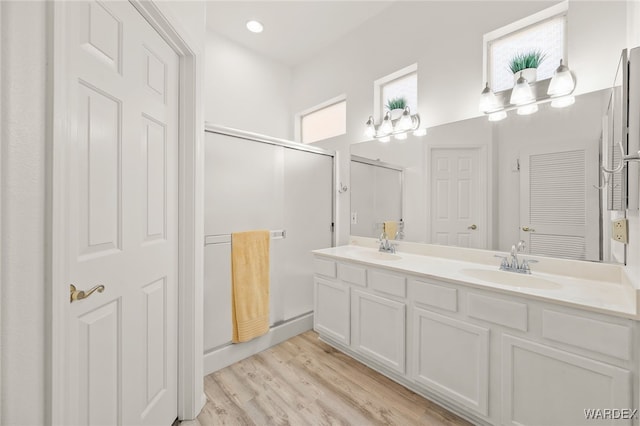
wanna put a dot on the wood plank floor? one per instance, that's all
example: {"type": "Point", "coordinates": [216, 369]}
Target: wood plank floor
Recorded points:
{"type": "Point", "coordinates": [304, 381]}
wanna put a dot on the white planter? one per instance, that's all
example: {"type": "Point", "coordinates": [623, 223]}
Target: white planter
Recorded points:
{"type": "Point", "coordinates": [530, 74]}
{"type": "Point", "coordinates": [396, 113]}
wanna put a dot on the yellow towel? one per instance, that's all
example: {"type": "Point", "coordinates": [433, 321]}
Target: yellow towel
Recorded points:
{"type": "Point", "coordinates": [249, 284]}
{"type": "Point", "coordinates": [391, 229]}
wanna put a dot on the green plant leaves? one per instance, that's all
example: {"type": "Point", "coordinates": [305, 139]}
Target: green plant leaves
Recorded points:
{"type": "Point", "coordinates": [526, 60]}
{"type": "Point", "coordinates": [396, 103]}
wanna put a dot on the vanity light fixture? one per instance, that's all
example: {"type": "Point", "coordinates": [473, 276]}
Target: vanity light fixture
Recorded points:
{"type": "Point", "coordinates": [523, 99]}
{"type": "Point", "coordinates": [563, 101]}
{"type": "Point", "coordinates": [498, 115]}
{"type": "Point", "coordinates": [386, 128]}
{"type": "Point", "coordinates": [398, 128]}
{"type": "Point", "coordinates": [528, 109]}
{"type": "Point", "coordinates": [370, 130]}
{"type": "Point", "coordinates": [488, 101]}
{"type": "Point", "coordinates": [255, 26]}
{"type": "Point", "coordinates": [521, 93]}
{"type": "Point", "coordinates": [562, 82]}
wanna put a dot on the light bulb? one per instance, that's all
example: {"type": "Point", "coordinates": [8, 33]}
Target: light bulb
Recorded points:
{"type": "Point", "coordinates": [386, 128]}
{"type": "Point", "coordinates": [401, 136]}
{"type": "Point", "coordinates": [562, 82]}
{"type": "Point", "coordinates": [521, 93]}
{"type": "Point", "coordinates": [370, 130]}
{"type": "Point", "coordinates": [255, 26]}
{"type": "Point", "coordinates": [420, 132]}
{"type": "Point", "coordinates": [563, 101]}
{"type": "Point", "coordinates": [488, 100]}
{"type": "Point", "coordinates": [406, 122]}
{"type": "Point", "coordinates": [385, 139]}
{"type": "Point", "coordinates": [497, 116]}
{"type": "Point", "coordinates": [528, 109]}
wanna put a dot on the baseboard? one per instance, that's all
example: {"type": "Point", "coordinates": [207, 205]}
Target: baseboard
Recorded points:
{"type": "Point", "coordinates": [223, 357]}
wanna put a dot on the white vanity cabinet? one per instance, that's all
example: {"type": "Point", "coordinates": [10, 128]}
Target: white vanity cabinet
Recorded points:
{"type": "Point", "coordinates": [331, 303]}
{"type": "Point", "coordinates": [492, 357]}
{"type": "Point", "coordinates": [378, 319]}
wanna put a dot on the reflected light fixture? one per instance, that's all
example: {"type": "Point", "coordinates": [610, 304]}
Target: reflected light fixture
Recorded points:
{"type": "Point", "coordinates": [563, 101]}
{"type": "Point", "coordinates": [498, 115]}
{"type": "Point", "coordinates": [521, 93]}
{"type": "Point", "coordinates": [255, 26]}
{"type": "Point", "coordinates": [488, 100]}
{"type": "Point", "coordinates": [398, 128]}
{"type": "Point", "coordinates": [528, 109]}
{"type": "Point", "coordinates": [370, 130]}
{"type": "Point", "coordinates": [401, 136]}
{"type": "Point", "coordinates": [523, 99]}
{"type": "Point", "coordinates": [562, 82]}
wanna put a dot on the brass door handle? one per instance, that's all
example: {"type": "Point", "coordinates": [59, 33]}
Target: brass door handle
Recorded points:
{"type": "Point", "coordinates": [473, 227]}
{"type": "Point", "coordinates": [76, 294]}
{"type": "Point", "coordinates": [527, 229]}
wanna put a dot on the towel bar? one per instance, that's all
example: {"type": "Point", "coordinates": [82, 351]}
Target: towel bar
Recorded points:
{"type": "Point", "coordinates": [226, 238]}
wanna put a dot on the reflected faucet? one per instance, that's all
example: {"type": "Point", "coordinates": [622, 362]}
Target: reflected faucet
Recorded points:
{"type": "Point", "coordinates": [385, 245]}
{"type": "Point", "coordinates": [512, 263]}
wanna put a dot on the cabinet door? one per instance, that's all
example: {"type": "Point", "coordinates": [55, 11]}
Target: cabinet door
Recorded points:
{"type": "Point", "coordinates": [452, 358]}
{"type": "Point", "coordinates": [378, 329]}
{"type": "Point", "coordinates": [546, 386]}
{"type": "Point", "coordinates": [331, 304]}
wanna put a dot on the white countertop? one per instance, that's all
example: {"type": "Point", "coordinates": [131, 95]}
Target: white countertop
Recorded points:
{"type": "Point", "coordinates": [608, 294]}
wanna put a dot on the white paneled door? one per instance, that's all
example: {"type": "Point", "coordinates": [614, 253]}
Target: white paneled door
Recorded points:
{"type": "Point", "coordinates": [122, 91]}
{"type": "Point", "coordinates": [458, 209]}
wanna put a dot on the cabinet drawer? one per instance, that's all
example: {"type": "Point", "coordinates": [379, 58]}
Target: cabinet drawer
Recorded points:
{"type": "Point", "coordinates": [498, 311]}
{"type": "Point", "coordinates": [388, 283]}
{"type": "Point", "coordinates": [324, 267]}
{"type": "Point", "coordinates": [435, 295]}
{"type": "Point", "coordinates": [587, 333]}
{"type": "Point", "coordinates": [352, 274]}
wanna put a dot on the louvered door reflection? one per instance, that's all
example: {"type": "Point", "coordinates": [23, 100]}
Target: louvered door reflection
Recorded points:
{"type": "Point", "coordinates": [559, 210]}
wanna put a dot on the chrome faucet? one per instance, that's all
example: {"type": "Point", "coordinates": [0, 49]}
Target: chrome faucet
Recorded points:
{"type": "Point", "coordinates": [511, 263]}
{"type": "Point", "coordinates": [385, 245]}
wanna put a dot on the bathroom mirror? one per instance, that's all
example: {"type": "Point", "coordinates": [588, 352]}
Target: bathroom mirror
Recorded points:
{"type": "Point", "coordinates": [377, 192]}
{"type": "Point", "coordinates": [487, 185]}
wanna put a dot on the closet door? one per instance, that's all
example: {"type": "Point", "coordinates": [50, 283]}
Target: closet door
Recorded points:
{"type": "Point", "coordinates": [559, 210]}
{"type": "Point", "coordinates": [308, 213]}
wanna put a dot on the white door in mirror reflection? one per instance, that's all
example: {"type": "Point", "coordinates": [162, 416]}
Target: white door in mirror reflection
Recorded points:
{"type": "Point", "coordinates": [558, 201]}
{"type": "Point", "coordinates": [457, 212]}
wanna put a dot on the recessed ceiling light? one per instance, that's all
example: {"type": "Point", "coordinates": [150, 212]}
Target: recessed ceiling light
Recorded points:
{"type": "Point", "coordinates": [255, 26]}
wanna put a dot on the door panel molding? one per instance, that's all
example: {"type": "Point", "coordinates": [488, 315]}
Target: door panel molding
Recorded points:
{"type": "Point", "coordinates": [191, 397]}
{"type": "Point", "coordinates": [485, 166]}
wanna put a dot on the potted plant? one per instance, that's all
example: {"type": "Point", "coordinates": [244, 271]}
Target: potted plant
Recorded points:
{"type": "Point", "coordinates": [526, 65]}
{"type": "Point", "coordinates": [396, 106]}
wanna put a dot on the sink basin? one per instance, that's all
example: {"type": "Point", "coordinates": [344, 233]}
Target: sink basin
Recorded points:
{"type": "Point", "coordinates": [376, 255]}
{"type": "Point", "coordinates": [510, 278]}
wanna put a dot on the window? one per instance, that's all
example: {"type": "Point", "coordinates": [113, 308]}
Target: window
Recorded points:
{"type": "Point", "coordinates": [324, 121]}
{"type": "Point", "coordinates": [402, 83]}
{"type": "Point", "coordinates": [544, 31]}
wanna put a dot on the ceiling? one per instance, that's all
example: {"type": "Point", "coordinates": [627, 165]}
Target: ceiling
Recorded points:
{"type": "Point", "coordinates": [293, 30]}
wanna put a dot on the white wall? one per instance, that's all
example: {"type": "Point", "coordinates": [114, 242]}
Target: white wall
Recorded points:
{"type": "Point", "coordinates": [24, 135]}
{"type": "Point", "coordinates": [245, 90]}
{"type": "Point", "coordinates": [633, 23]}
{"type": "Point", "coordinates": [449, 74]}
{"type": "Point", "coordinates": [24, 203]}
